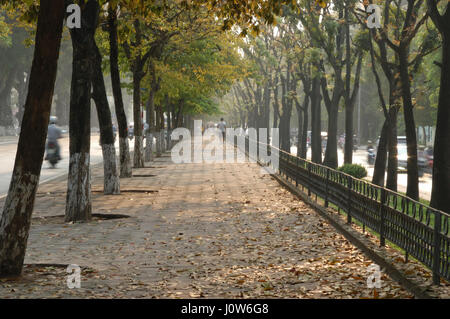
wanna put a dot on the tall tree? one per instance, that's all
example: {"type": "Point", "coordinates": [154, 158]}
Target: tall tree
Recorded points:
{"type": "Point", "coordinates": [441, 165]}
{"type": "Point", "coordinates": [124, 150]}
{"type": "Point", "coordinates": [111, 174]}
{"type": "Point", "coordinates": [16, 217]}
{"type": "Point", "coordinates": [78, 201]}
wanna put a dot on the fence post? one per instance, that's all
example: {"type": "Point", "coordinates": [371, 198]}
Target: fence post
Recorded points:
{"type": "Point", "coordinates": [382, 216]}
{"type": "Point", "coordinates": [309, 179]}
{"type": "Point", "coordinates": [296, 173]}
{"type": "Point", "coordinates": [349, 203]}
{"type": "Point", "coordinates": [326, 187]}
{"type": "Point", "coordinates": [437, 247]}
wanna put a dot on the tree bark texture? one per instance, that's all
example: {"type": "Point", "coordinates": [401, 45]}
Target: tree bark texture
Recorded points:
{"type": "Point", "coordinates": [16, 217]}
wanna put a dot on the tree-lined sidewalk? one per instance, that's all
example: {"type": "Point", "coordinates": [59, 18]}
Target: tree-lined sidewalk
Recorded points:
{"type": "Point", "coordinates": [194, 230]}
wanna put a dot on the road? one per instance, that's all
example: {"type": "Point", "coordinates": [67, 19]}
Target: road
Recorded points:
{"type": "Point", "coordinates": [360, 157]}
{"type": "Point", "coordinates": [8, 148]}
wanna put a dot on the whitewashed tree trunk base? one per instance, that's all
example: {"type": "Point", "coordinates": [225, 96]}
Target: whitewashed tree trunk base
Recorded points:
{"type": "Point", "coordinates": [138, 152]}
{"type": "Point", "coordinates": [15, 222]}
{"type": "Point", "coordinates": [125, 159]}
{"type": "Point", "coordinates": [111, 177]}
{"type": "Point", "coordinates": [78, 203]}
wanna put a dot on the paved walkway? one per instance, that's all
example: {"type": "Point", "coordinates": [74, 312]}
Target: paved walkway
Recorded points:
{"type": "Point", "coordinates": [195, 230]}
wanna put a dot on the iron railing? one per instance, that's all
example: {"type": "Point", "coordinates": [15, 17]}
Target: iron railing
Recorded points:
{"type": "Point", "coordinates": [421, 231]}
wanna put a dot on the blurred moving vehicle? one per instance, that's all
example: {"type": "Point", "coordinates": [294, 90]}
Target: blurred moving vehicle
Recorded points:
{"type": "Point", "coordinates": [52, 147]}
{"type": "Point", "coordinates": [428, 153]}
{"type": "Point", "coordinates": [52, 154]}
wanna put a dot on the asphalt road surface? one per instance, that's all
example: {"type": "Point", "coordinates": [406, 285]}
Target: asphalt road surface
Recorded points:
{"type": "Point", "coordinates": [8, 148]}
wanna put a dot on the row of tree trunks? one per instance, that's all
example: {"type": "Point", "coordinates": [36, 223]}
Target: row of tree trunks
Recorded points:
{"type": "Point", "coordinates": [124, 150]}
{"type": "Point", "coordinates": [16, 217]}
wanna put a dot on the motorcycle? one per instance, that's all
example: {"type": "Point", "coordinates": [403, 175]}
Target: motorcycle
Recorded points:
{"type": "Point", "coordinates": [371, 156]}
{"type": "Point", "coordinates": [52, 156]}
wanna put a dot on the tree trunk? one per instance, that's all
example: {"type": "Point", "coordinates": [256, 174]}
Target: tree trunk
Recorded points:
{"type": "Point", "coordinates": [163, 142]}
{"type": "Point", "coordinates": [391, 180]}
{"type": "Point", "coordinates": [380, 161]}
{"type": "Point", "coordinates": [300, 130]}
{"type": "Point", "coordinates": [125, 160]}
{"type": "Point", "coordinates": [331, 159]}
{"type": "Point", "coordinates": [78, 202]}
{"type": "Point", "coordinates": [62, 110]}
{"type": "Point", "coordinates": [316, 143]}
{"type": "Point", "coordinates": [349, 107]}
{"type": "Point", "coordinates": [348, 148]}
{"type": "Point", "coordinates": [6, 116]}
{"type": "Point", "coordinates": [158, 131]}
{"type": "Point", "coordinates": [285, 127]}
{"type": "Point", "coordinates": [111, 174]}
{"type": "Point", "coordinates": [424, 132]}
{"type": "Point", "coordinates": [169, 121]}
{"type": "Point", "coordinates": [148, 133]}
{"type": "Point", "coordinates": [138, 137]}
{"type": "Point", "coordinates": [410, 127]}
{"type": "Point", "coordinates": [276, 106]}
{"type": "Point", "coordinates": [304, 142]}
{"type": "Point", "coordinates": [441, 164]}
{"type": "Point", "coordinates": [23, 91]}
{"type": "Point", "coordinates": [16, 217]}
{"type": "Point", "coordinates": [265, 120]}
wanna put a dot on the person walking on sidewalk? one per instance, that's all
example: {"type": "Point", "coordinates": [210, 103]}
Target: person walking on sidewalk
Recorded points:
{"type": "Point", "coordinates": [223, 128]}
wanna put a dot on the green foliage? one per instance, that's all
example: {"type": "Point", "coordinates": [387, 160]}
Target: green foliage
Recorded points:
{"type": "Point", "coordinates": [5, 39]}
{"type": "Point", "coordinates": [354, 170]}
{"type": "Point", "coordinates": [361, 40]}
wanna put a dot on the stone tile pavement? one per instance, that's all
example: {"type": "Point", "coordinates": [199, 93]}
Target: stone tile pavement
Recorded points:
{"type": "Point", "coordinates": [194, 230]}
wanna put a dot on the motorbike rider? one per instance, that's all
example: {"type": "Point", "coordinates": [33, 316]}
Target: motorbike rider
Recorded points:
{"type": "Point", "coordinates": [53, 135]}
